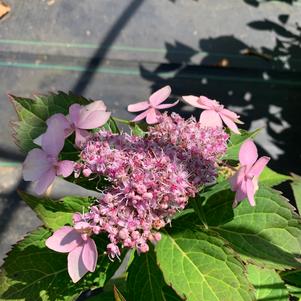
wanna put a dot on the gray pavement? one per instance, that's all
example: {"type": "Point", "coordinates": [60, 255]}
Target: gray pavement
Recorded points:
{"type": "Point", "coordinates": [119, 51]}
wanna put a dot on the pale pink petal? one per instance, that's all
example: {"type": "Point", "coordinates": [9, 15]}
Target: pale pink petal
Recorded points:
{"type": "Point", "coordinates": [159, 96]}
{"type": "Point", "coordinates": [64, 168]}
{"type": "Point", "coordinates": [152, 116]}
{"type": "Point", "coordinates": [167, 105]}
{"type": "Point", "coordinates": [45, 181]}
{"type": "Point", "coordinates": [81, 137]}
{"type": "Point", "coordinates": [97, 105]}
{"type": "Point", "coordinates": [210, 118]}
{"type": "Point", "coordinates": [259, 165]}
{"type": "Point", "coordinates": [64, 240]}
{"type": "Point", "coordinates": [92, 120]}
{"type": "Point", "coordinates": [140, 106]}
{"type": "Point", "coordinates": [230, 124]}
{"type": "Point", "coordinates": [194, 101]}
{"type": "Point", "coordinates": [74, 113]}
{"type": "Point", "coordinates": [248, 153]}
{"type": "Point", "coordinates": [250, 192]}
{"type": "Point", "coordinates": [207, 103]}
{"type": "Point", "coordinates": [54, 138]}
{"type": "Point", "coordinates": [36, 164]}
{"type": "Point", "coordinates": [237, 179]}
{"type": "Point", "coordinates": [230, 114]}
{"type": "Point", "coordinates": [76, 267]}
{"type": "Point", "coordinates": [239, 196]}
{"type": "Point", "coordinates": [90, 254]}
{"type": "Point", "coordinates": [140, 116]}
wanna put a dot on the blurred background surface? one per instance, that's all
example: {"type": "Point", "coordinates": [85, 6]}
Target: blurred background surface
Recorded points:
{"type": "Point", "coordinates": [244, 53]}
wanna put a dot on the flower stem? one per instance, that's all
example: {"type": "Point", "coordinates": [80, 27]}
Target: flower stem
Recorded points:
{"type": "Point", "coordinates": [122, 120]}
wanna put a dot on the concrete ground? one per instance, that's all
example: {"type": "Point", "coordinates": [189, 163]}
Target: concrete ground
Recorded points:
{"type": "Point", "coordinates": [243, 53]}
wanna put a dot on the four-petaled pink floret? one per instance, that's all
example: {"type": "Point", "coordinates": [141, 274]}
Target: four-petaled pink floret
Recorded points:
{"type": "Point", "coordinates": [214, 113]}
{"type": "Point", "coordinates": [152, 105]}
{"type": "Point", "coordinates": [245, 181]}
{"type": "Point", "coordinates": [82, 250]}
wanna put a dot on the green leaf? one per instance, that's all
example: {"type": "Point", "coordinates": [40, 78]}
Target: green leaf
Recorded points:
{"type": "Point", "coordinates": [55, 213]}
{"type": "Point", "coordinates": [296, 187]}
{"type": "Point", "coordinates": [235, 143]}
{"type": "Point", "coordinates": [118, 296]}
{"type": "Point", "coordinates": [293, 282]}
{"type": "Point", "coordinates": [272, 178]}
{"type": "Point", "coordinates": [145, 280]}
{"type": "Point", "coordinates": [33, 272]}
{"type": "Point", "coordinates": [111, 126]}
{"type": "Point", "coordinates": [199, 266]}
{"type": "Point", "coordinates": [137, 130]}
{"type": "Point", "coordinates": [268, 234]}
{"type": "Point", "coordinates": [268, 284]}
{"type": "Point", "coordinates": [34, 112]}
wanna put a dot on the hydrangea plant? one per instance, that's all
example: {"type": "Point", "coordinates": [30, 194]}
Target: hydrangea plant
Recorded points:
{"type": "Point", "coordinates": [184, 206]}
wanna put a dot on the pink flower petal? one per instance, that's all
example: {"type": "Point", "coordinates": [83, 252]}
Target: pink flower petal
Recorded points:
{"type": "Point", "coordinates": [259, 165]}
{"type": "Point", "coordinates": [193, 101]}
{"type": "Point", "coordinates": [64, 240]}
{"type": "Point", "coordinates": [76, 267]}
{"type": "Point", "coordinates": [74, 113]}
{"type": "Point", "coordinates": [140, 116]}
{"type": "Point", "coordinates": [81, 137]}
{"type": "Point", "coordinates": [94, 120]}
{"type": "Point", "coordinates": [167, 105]}
{"type": "Point", "coordinates": [140, 106]}
{"type": "Point", "coordinates": [210, 118]}
{"type": "Point", "coordinates": [45, 181]}
{"type": "Point", "coordinates": [248, 153]}
{"type": "Point", "coordinates": [90, 255]}
{"type": "Point", "coordinates": [230, 114]}
{"type": "Point", "coordinates": [237, 179]}
{"type": "Point", "coordinates": [250, 192]}
{"type": "Point", "coordinates": [64, 168]}
{"type": "Point", "coordinates": [54, 138]}
{"type": "Point", "coordinates": [207, 103]}
{"type": "Point", "coordinates": [230, 123]}
{"type": "Point", "coordinates": [159, 96]}
{"type": "Point", "coordinates": [35, 165]}
{"type": "Point", "coordinates": [152, 116]}
{"type": "Point", "coordinates": [97, 105]}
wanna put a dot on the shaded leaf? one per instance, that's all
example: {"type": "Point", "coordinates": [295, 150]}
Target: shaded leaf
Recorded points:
{"type": "Point", "coordinates": [56, 213]}
{"type": "Point", "coordinates": [268, 284]}
{"type": "Point", "coordinates": [268, 234]}
{"type": "Point", "coordinates": [293, 282]}
{"type": "Point", "coordinates": [117, 295]}
{"type": "Point", "coordinates": [296, 187]}
{"type": "Point", "coordinates": [199, 266]}
{"type": "Point", "coordinates": [145, 280]}
{"type": "Point", "coordinates": [33, 272]}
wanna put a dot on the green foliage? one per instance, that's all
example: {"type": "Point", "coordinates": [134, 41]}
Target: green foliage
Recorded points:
{"type": "Point", "coordinates": [268, 284]}
{"type": "Point", "coordinates": [293, 282]}
{"type": "Point", "coordinates": [137, 130]}
{"type": "Point", "coordinates": [296, 187]}
{"type": "Point", "coordinates": [145, 280]}
{"type": "Point", "coordinates": [111, 126]}
{"type": "Point", "coordinates": [268, 234]}
{"type": "Point", "coordinates": [271, 178]}
{"type": "Point", "coordinates": [235, 143]}
{"type": "Point", "coordinates": [33, 272]}
{"type": "Point", "coordinates": [56, 213]}
{"type": "Point", "coordinates": [34, 112]}
{"type": "Point", "coordinates": [199, 265]}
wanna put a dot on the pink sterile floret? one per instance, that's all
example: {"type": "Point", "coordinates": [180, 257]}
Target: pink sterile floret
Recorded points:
{"type": "Point", "coordinates": [152, 178]}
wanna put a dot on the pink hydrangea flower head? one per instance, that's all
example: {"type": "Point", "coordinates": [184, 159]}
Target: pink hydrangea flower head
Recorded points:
{"type": "Point", "coordinates": [214, 113]}
{"type": "Point", "coordinates": [82, 250]}
{"type": "Point", "coordinates": [245, 181]}
{"type": "Point", "coordinates": [42, 165]}
{"type": "Point", "coordinates": [152, 106]}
